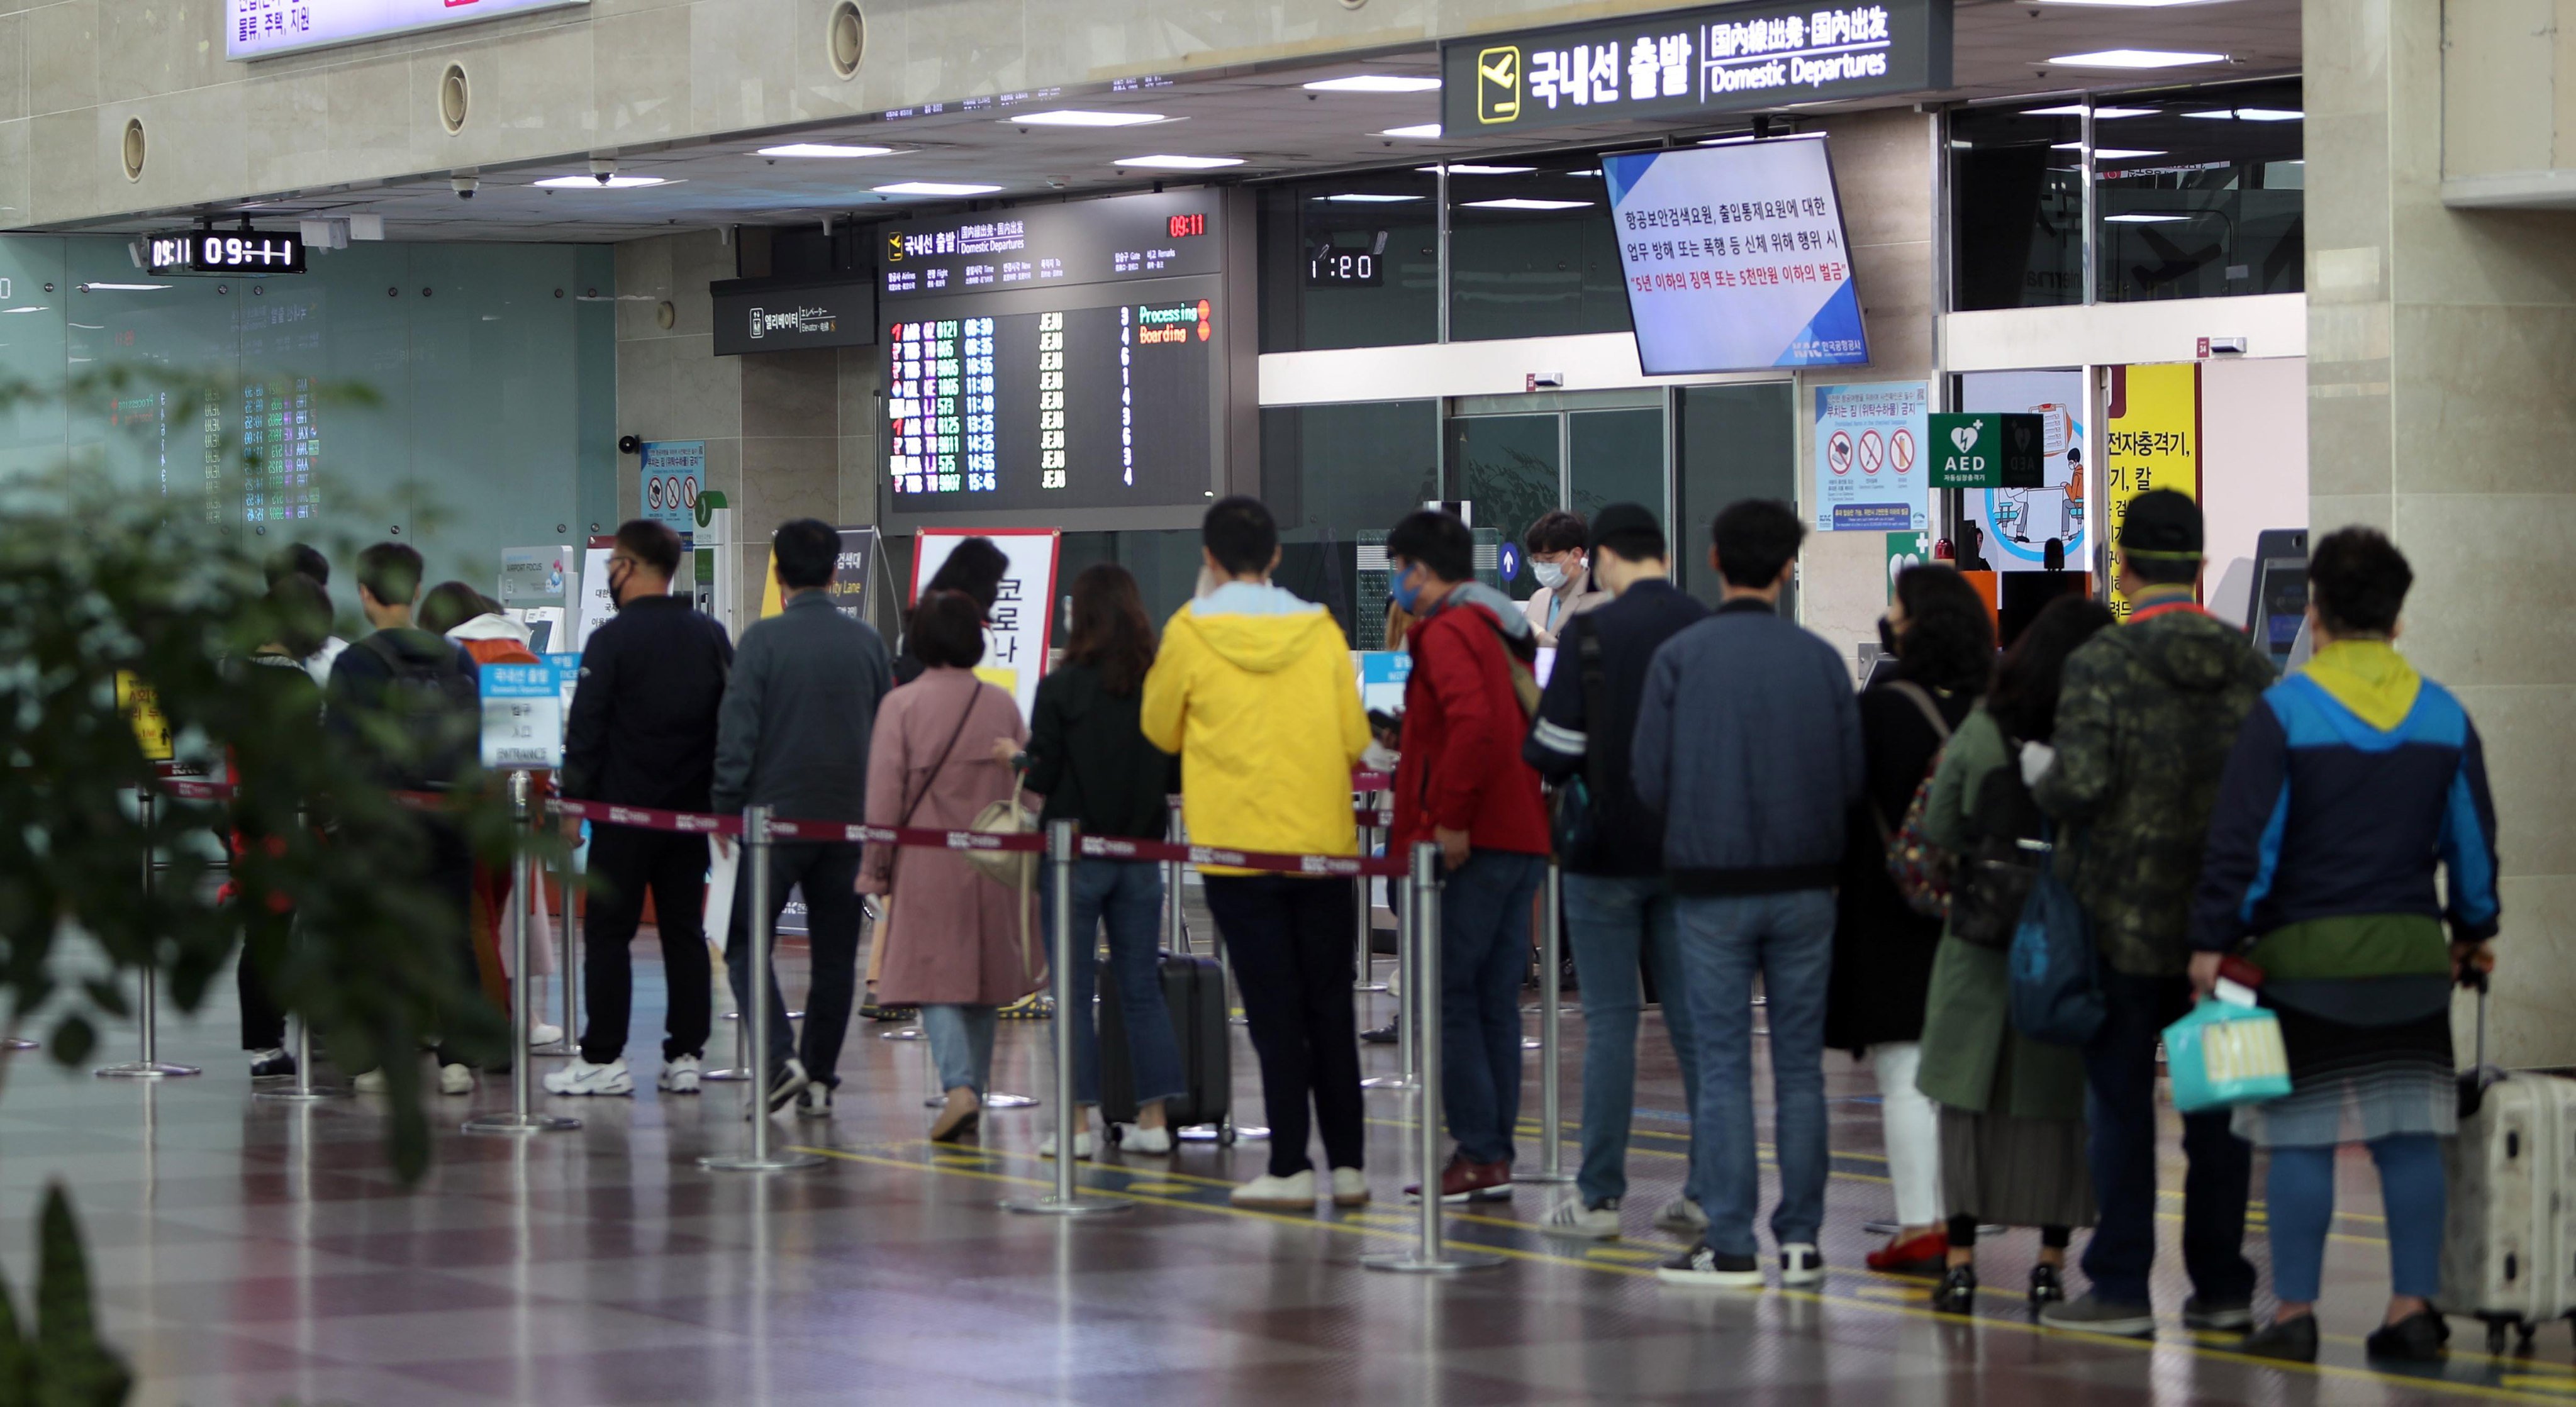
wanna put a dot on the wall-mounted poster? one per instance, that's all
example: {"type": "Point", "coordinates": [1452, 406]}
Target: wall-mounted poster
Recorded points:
{"type": "Point", "coordinates": [2018, 522]}
{"type": "Point", "coordinates": [1870, 463]}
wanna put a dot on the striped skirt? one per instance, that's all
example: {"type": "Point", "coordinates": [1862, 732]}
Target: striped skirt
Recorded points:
{"type": "Point", "coordinates": [2351, 1084]}
{"type": "Point", "coordinates": [2015, 1172]}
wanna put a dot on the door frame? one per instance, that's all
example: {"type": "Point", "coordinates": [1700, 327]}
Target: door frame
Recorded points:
{"type": "Point", "coordinates": [1563, 405]}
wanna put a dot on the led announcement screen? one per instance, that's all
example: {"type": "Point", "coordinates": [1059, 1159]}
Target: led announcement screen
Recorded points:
{"type": "Point", "coordinates": [1735, 257]}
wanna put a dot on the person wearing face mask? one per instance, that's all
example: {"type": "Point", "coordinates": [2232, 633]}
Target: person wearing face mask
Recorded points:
{"type": "Point", "coordinates": [643, 733]}
{"type": "Point", "coordinates": [1565, 583]}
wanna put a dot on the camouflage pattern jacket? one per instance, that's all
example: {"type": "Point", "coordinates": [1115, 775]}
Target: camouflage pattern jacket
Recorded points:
{"type": "Point", "coordinates": [2145, 720]}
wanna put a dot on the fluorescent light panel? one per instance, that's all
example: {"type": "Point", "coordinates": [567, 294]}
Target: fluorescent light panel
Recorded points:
{"type": "Point", "coordinates": [1080, 117]}
{"type": "Point", "coordinates": [935, 188]}
{"type": "Point", "coordinates": [1180, 163]}
{"type": "Point", "coordinates": [1523, 203]}
{"type": "Point", "coordinates": [1369, 198]}
{"type": "Point", "coordinates": [2106, 153]}
{"type": "Point", "coordinates": [613, 183]}
{"type": "Point", "coordinates": [2251, 114]}
{"type": "Point", "coordinates": [2146, 219]}
{"type": "Point", "coordinates": [1375, 83]}
{"type": "Point", "coordinates": [120, 288]}
{"type": "Point", "coordinates": [1421, 129]}
{"type": "Point", "coordinates": [823, 149]}
{"type": "Point", "coordinates": [2136, 58]}
{"type": "Point", "coordinates": [2077, 110]}
{"type": "Point", "coordinates": [1458, 168]}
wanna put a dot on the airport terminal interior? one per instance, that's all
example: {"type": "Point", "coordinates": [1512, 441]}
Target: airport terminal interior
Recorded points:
{"type": "Point", "coordinates": [511, 294]}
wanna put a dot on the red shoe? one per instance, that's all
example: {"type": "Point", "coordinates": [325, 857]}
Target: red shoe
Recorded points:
{"type": "Point", "coordinates": [1463, 1181]}
{"type": "Point", "coordinates": [1927, 1254]}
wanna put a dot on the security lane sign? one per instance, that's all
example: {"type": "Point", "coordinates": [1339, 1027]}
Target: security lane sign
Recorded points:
{"type": "Point", "coordinates": [1987, 450]}
{"type": "Point", "coordinates": [523, 715]}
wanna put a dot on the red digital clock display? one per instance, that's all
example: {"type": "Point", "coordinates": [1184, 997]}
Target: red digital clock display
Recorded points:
{"type": "Point", "coordinates": [1183, 226]}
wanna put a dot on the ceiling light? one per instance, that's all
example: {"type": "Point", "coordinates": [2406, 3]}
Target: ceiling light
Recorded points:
{"type": "Point", "coordinates": [935, 188]}
{"type": "Point", "coordinates": [121, 287]}
{"type": "Point", "coordinates": [1595, 171]}
{"type": "Point", "coordinates": [1375, 83]}
{"type": "Point", "coordinates": [1422, 129]}
{"type": "Point", "coordinates": [2105, 153]}
{"type": "Point", "coordinates": [614, 183]}
{"type": "Point", "coordinates": [2136, 58]}
{"type": "Point", "coordinates": [1521, 203]}
{"type": "Point", "coordinates": [29, 309]}
{"type": "Point", "coordinates": [1369, 198]}
{"type": "Point", "coordinates": [2253, 114]}
{"type": "Point", "coordinates": [822, 149]}
{"type": "Point", "coordinates": [2077, 110]}
{"type": "Point", "coordinates": [1180, 163]}
{"type": "Point", "coordinates": [1465, 169]}
{"type": "Point", "coordinates": [2146, 219]}
{"type": "Point", "coordinates": [1734, 141]}
{"type": "Point", "coordinates": [1078, 117]}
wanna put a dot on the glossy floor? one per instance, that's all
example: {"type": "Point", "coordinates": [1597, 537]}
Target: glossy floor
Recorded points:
{"type": "Point", "coordinates": [251, 1252]}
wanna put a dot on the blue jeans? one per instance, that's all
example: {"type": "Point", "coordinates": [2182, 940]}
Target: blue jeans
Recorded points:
{"type": "Point", "coordinates": [1611, 922]}
{"type": "Point", "coordinates": [1484, 950]}
{"type": "Point", "coordinates": [961, 1044]}
{"type": "Point", "coordinates": [827, 870]}
{"type": "Point", "coordinates": [1128, 894]}
{"type": "Point", "coordinates": [2412, 1189]}
{"type": "Point", "coordinates": [2120, 1103]}
{"type": "Point", "coordinates": [1725, 940]}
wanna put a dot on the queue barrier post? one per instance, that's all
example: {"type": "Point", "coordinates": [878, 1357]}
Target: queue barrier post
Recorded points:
{"type": "Point", "coordinates": [521, 1118]}
{"type": "Point", "coordinates": [1363, 908]}
{"type": "Point", "coordinates": [764, 913]}
{"type": "Point", "coordinates": [1066, 1200]}
{"type": "Point", "coordinates": [150, 1065]}
{"type": "Point", "coordinates": [1551, 1051]}
{"type": "Point", "coordinates": [567, 971]}
{"type": "Point", "coordinates": [1422, 995]}
{"type": "Point", "coordinates": [1407, 1073]}
{"type": "Point", "coordinates": [303, 1091]}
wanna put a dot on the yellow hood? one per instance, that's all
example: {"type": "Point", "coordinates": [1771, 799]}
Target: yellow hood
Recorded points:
{"type": "Point", "coordinates": [2370, 678]}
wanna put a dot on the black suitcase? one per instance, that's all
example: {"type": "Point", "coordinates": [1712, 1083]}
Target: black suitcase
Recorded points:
{"type": "Point", "coordinates": [1194, 991]}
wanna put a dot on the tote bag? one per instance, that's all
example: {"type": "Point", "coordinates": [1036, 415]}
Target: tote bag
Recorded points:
{"type": "Point", "coordinates": [2222, 1055]}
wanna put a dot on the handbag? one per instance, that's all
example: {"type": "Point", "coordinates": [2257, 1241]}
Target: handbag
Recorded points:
{"type": "Point", "coordinates": [2223, 1053]}
{"type": "Point", "coordinates": [1920, 869]}
{"type": "Point", "coordinates": [2056, 991]}
{"type": "Point", "coordinates": [1990, 883]}
{"type": "Point", "coordinates": [1573, 826]}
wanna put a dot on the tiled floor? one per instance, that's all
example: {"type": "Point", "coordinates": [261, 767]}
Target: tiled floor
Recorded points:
{"type": "Point", "coordinates": [251, 1252]}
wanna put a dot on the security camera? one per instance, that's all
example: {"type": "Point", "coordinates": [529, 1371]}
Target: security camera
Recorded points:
{"type": "Point", "coordinates": [602, 167]}
{"type": "Point", "coordinates": [463, 186]}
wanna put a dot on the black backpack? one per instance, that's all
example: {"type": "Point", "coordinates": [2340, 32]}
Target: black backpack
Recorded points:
{"type": "Point", "coordinates": [2004, 859]}
{"type": "Point", "coordinates": [433, 715]}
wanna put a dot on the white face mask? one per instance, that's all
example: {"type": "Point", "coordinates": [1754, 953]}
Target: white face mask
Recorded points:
{"type": "Point", "coordinates": [1549, 574]}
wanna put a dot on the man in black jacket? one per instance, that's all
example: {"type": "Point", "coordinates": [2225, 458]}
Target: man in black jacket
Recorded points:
{"type": "Point", "coordinates": [1618, 907]}
{"type": "Point", "coordinates": [643, 733]}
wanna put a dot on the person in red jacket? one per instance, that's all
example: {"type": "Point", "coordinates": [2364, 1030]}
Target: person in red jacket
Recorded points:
{"type": "Point", "coordinates": [1462, 783]}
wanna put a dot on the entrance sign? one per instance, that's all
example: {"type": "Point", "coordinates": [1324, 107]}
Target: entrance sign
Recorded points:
{"type": "Point", "coordinates": [523, 715]}
{"type": "Point", "coordinates": [1869, 458]}
{"type": "Point", "coordinates": [1017, 633]}
{"type": "Point", "coordinates": [1735, 257]}
{"type": "Point", "coordinates": [259, 29]}
{"type": "Point", "coordinates": [674, 471]}
{"type": "Point", "coordinates": [1988, 450]}
{"type": "Point", "coordinates": [1686, 63]}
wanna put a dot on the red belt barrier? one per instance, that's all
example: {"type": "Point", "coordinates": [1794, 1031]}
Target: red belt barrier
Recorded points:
{"type": "Point", "coordinates": [647, 817]}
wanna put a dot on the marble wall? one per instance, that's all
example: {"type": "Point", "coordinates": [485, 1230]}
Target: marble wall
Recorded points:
{"type": "Point", "coordinates": [2438, 343]}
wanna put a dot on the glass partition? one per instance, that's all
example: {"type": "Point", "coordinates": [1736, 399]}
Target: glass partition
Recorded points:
{"type": "Point", "coordinates": [1532, 252]}
{"type": "Point", "coordinates": [1330, 472]}
{"type": "Point", "coordinates": [1353, 261]}
{"type": "Point", "coordinates": [1736, 442]}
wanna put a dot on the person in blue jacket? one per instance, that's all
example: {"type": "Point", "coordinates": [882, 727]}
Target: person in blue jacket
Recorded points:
{"type": "Point", "coordinates": [2348, 786]}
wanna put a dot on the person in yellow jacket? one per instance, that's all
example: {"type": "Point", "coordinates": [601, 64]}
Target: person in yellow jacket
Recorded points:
{"type": "Point", "coordinates": [1254, 689]}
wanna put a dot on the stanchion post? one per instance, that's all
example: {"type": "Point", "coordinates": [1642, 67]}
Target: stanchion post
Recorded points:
{"type": "Point", "coordinates": [1551, 1050]}
{"type": "Point", "coordinates": [1430, 1256]}
{"type": "Point", "coordinates": [755, 858]}
{"type": "Point", "coordinates": [1367, 978]}
{"type": "Point", "coordinates": [1407, 1073]}
{"type": "Point", "coordinates": [147, 1010]}
{"type": "Point", "coordinates": [1066, 1199]}
{"type": "Point", "coordinates": [521, 1118]}
{"type": "Point", "coordinates": [568, 971]}
{"type": "Point", "coordinates": [303, 1091]}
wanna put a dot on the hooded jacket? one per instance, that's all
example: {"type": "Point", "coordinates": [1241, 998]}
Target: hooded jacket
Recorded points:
{"type": "Point", "coordinates": [2146, 716]}
{"type": "Point", "coordinates": [1461, 765]}
{"type": "Point", "coordinates": [1254, 689]}
{"type": "Point", "coordinates": [494, 639]}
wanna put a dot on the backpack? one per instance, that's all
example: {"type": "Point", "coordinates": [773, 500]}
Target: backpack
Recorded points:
{"type": "Point", "coordinates": [1921, 869]}
{"type": "Point", "coordinates": [2056, 989]}
{"type": "Point", "coordinates": [1991, 883]}
{"type": "Point", "coordinates": [433, 708]}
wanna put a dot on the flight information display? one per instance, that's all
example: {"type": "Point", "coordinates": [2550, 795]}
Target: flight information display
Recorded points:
{"type": "Point", "coordinates": [1070, 358]}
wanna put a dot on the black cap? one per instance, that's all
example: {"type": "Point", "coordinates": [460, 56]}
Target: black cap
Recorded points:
{"type": "Point", "coordinates": [2161, 523]}
{"type": "Point", "coordinates": [1621, 518]}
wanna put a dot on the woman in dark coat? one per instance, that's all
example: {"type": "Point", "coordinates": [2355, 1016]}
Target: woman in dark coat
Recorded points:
{"type": "Point", "coordinates": [1944, 642]}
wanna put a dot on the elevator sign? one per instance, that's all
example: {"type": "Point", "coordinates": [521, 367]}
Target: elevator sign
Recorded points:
{"type": "Point", "coordinates": [1681, 64]}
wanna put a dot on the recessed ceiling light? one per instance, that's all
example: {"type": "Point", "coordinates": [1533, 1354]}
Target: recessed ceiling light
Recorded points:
{"type": "Point", "coordinates": [822, 149]}
{"type": "Point", "coordinates": [1078, 117]}
{"type": "Point", "coordinates": [1523, 203]}
{"type": "Point", "coordinates": [1735, 141]}
{"type": "Point", "coordinates": [1180, 163]}
{"type": "Point", "coordinates": [2106, 153]}
{"type": "Point", "coordinates": [29, 309]}
{"type": "Point", "coordinates": [1460, 168]}
{"type": "Point", "coordinates": [614, 183]}
{"type": "Point", "coordinates": [2136, 58]}
{"type": "Point", "coordinates": [2077, 110]}
{"type": "Point", "coordinates": [120, 288]}
{"type": "Point", "coordinates": [1420, 129]}
{"type": "Point", "coordinates": [2145, 219]}
{"type": "Point", "coordinates": [1374, 83]}
{"type": "Point", "coordinates": [935, 188]}
{"type": "Point", "coordinates": [2252, 114]}
{"type": "Point", "coordinates": [1369, 198]}
{"type": "Point", "coordinates": [1595, 171]}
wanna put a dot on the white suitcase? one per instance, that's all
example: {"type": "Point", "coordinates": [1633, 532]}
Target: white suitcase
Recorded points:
{"type": "Point", "coordinates": [2509, 1242]}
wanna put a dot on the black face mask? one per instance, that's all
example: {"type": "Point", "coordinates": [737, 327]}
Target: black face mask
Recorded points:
{"type": "Point", "coordinates": [1887, 636]}
{"type": "Point", "coordinates": [617, 586]}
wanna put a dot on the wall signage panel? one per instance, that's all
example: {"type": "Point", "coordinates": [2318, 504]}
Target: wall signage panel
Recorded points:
{"type": "Point", "coordinates": [1087, 241]}
{"type": "Point", "coordinates": [259, 29]}
{"type": "Point", "coordinates": [766, 315]}
{"type": "Point", "coordinates": [1685, 63]}
{"type": "Point", "coordinates": [225, 252]}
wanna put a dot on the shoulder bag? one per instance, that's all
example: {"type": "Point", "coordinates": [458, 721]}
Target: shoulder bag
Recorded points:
{"type": "Point", "coordinates": [1574, 825]}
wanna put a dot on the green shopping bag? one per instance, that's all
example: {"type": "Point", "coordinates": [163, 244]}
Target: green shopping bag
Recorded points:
{"type": "Point", "coordinates": [2222, 1054]}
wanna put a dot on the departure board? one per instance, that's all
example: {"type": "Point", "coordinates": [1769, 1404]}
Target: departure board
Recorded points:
{"type": "Point", "coordinates": [1072, 359]}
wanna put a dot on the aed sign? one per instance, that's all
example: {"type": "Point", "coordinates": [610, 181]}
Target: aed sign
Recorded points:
{"type": "Point", "coordinates": [1987, 450]}
{"type": "Point", "coordinates": [225, 252]}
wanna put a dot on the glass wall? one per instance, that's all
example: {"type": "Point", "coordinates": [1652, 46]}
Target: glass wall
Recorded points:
{"type": "Point", "coordinates": [1329, 472]}
{"type": "Point", "coordinates": [1736, 442]}
{"type": "Point", "coordinates": [1353, 261]}
{"type": "Point", "coordinates": [1532, 252]}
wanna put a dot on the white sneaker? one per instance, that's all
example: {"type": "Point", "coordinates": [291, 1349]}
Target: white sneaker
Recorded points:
{"type": "Point", "coordinates": [369, 1082]}
{"type": "Point", "coordinates": [1283, 1194]}
{"type": "Point", "coordinates": [582, 1077]}
{"type": "Point", "coordinates": [543, 1033]}
{"type": "Point", "coordinates": [1136, 1138]}
{"type": "Point", "coordinates": [680, 1076]}
{"type": "Point", "coordinates": [1585, 1221]}
{"type": "Point", "coordinates": [1350, 1188]}
{"type": "Point", "coordinates": [1801, 1264]}
{"type": "Point", "coordinates": [1682, 1217]}
{"type": "Point", "coordinates": [455, 1079]}
{"type": "Point", "coordinates": [1081, 1145]}
{"type": "Point", "coordinates": [814, 1102]}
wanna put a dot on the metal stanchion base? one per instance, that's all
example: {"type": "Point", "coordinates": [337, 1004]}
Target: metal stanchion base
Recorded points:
{"type": "Point", "coordinates": [503, 1121]}
{"type": "Point", "coordinates": [1049, 1206]}
{"type": "Point", "coordinates": [1548, 1177]}
{"type": "Point", "coordinates": [792, 1015]}
{"type": "Point", "coordinates": [1368, 986]}
{"type": "Point", "coordinates": [908, 1033]}
{"type": "Point", "coordinates": [556, 1051]}
{"type": "Point", "coordinates": [1394, 1082]}
{"type": "Point", "coordinates": [1212, 1133]}
{"type": "Point", "coordinates": [726, 1075]}
{"type": "Point", "coordinates": [775, 1162]}
{"type": "Point", "coordinates": [1412, 1263]}
{"type": "Point", "coordinates": [145, 1070]}
{"type": "Point", "coordinates": [1007, 1101]}
{"type": "Point", "coordinates": [287, 1094]}
{"type": "Point", "coordinates": [9, 1043]}
{"type": "Point", "coordinates": [1532, 1043]}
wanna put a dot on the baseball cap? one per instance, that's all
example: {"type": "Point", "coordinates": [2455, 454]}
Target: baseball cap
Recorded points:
{"type": "Point", "coordinates": [1619, 518]}
{"type": "Point", "coordinates": [2161, 523]}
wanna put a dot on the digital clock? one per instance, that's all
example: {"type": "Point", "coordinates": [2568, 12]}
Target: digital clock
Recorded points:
{"type": "Point", "coordinates": [1183, 226]}
{"type": "Point", "coordinates": [225, 252]}
{"type": "Point", "coordinates": [1332, 263]}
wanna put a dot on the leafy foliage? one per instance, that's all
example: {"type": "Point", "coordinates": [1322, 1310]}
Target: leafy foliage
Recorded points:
{"type": "Point", "coordinates": [62, 1363]}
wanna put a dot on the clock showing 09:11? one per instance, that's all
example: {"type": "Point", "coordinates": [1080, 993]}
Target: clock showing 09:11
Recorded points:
{"type": "Point", "coordinates": [225, 252]}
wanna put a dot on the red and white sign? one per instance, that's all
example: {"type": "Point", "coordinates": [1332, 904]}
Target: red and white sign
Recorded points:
{"type": "Point", "coordinates": [1017, 632]}
{"type": "Point", "coordinates": [1838, 452]}
{"type": "Point", "coordinates": [1873, 452]}
{"type": "Point", "coordinates": [1900, 451]}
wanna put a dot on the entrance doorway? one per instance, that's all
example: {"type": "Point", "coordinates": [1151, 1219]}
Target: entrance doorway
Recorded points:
{"type": "Point", "coordinates": [1515, 458]}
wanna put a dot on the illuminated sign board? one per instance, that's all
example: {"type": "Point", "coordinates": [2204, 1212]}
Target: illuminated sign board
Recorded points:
{"type": "Point", "coordinates": [259, 29]}
{"type": "Point", "coordinates": [786, 315]}
{"type": "Point", "coordinates": [225, 252]}
{"type": "Point", "coordinates": [1088, 241]}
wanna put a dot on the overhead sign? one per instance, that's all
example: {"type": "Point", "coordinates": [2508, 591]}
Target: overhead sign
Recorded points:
{"type": "Point", "coordinates": [523, 715]}
{"type": "Point", "coordinates": [1017, 630]}
{"type": "Point", "coordinates": [1085, 241]}
{"type": "Point", "coordinates": [674, 472]}
{"type": "Point", "coordinates": [1685, 63]}
{"type": "Point", "coordinates": [854, 579]}
{"type": "Point", "coordinates": [1988, 450]}
{"type": "Point", "coordinates": [1869, 458]}
{"type": "Point", "coordinates": [772, 315]}
{"type": "Point", "coordinates": [259, 29]}
{"type": "Point", "coordinates": [225, 252]}
{"type": "Point", "coordinates": [1735, 258]}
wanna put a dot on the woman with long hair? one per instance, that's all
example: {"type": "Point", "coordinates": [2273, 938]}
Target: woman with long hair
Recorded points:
{"type": "Point", "coordinates": [1088, 757]}
{"type": "Point", "coordinates": [2011, 1108]}
{"type": "Point", "coordinates": [1944, 642]}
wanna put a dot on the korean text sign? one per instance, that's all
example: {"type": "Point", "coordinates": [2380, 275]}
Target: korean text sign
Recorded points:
{"type": "Point", "coordinates": [674, 471]}
{"type": "Point", "coordinates": [1870, 466]}
{"type": "Point", "coordinates": [2153, 441]}
{"type": "Point", "coordinates": [1735, 258]}
{"type": "Point", "coordinates": [523, 715]}
{"type": "Point", "coordinates": [257, 29]}
{"type": "Point", "coordinates": [1017, 632]}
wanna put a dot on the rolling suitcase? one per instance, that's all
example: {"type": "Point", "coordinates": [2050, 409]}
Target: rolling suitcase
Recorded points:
{"type": "Point", "coordinates": [1194, 993]}
{"type": "Point", "coordinates": [2509, 1240]}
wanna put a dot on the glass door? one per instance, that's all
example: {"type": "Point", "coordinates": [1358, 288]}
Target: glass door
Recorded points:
{"type": "Point", "coordinates": [1514, 458]}
{"type": "Point", "coordinates": [1511, 468]}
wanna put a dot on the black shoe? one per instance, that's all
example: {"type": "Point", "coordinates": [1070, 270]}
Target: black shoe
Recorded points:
{"type": "Point", "coordinates": [271, 1064]}
{"type": "Point", "coordinates": [2047, 1286]}
{"type": "Point", "coordinates": [2417, 1338]}
{"type": "Point", "coordinates": [1703, 1267]}
{"type": "Point", "coordinates": [2198, 1313]}
{"type": "Point", "coordinates": [2289, 1340]}
{"type": "Point", "coordinates": [1957, 1292]}
{"type": "Point", "coordinates": [1379, 1035]}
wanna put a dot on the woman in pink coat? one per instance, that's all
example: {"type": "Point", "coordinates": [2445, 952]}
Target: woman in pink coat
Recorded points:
{"type": "Point", "coordinates": [953, 939]}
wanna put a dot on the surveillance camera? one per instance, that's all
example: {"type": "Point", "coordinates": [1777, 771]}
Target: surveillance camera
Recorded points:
{"type": "Point", "coordinates": [602, 167]}
{"type": "Point", "coordinates": [463, 186]}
